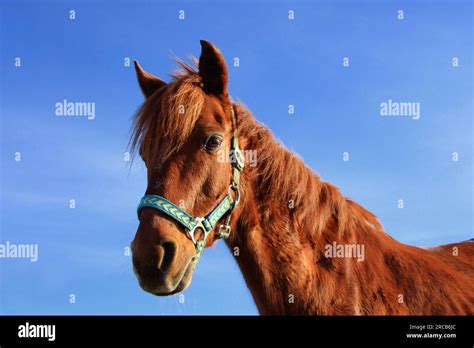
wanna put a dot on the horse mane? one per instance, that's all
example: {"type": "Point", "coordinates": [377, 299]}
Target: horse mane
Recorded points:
{"type": "Point", "coordinates": [181, 101]}
{"type": "Point", "coordinates": [284, 177]}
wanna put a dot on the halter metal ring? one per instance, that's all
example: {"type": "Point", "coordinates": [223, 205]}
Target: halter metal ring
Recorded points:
{"type": "Point", "coordinates": [199, 224]}
{"type": "Point", "coordinates": [237, 193]}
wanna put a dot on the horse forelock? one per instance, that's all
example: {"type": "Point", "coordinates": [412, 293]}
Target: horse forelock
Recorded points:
{"type": "Point", "coordinates": [166, 119]}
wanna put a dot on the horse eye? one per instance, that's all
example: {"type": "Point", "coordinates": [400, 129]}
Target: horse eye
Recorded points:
{"type": "Point", "coordinates": [213, 142]}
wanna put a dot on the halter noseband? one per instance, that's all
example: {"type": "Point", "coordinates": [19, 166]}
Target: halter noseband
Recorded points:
{"type": "Point", "coordinates": [208, 222]}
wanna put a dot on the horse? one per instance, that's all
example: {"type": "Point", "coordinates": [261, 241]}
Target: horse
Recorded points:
{"type": "Point", "coordinates": [296, 236]}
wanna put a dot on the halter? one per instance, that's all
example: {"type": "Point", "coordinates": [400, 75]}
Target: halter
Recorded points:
{"type": "Point", "coordinates": [208, 222]}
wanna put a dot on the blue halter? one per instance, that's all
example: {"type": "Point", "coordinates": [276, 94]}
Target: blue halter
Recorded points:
{"type": "Point", "coordinates": [208, 222]}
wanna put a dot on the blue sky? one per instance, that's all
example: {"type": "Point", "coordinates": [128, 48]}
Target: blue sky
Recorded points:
{"type": "Point", "coordinates": [282, 62]}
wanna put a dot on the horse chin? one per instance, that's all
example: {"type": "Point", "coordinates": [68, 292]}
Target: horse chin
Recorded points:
{"type": "Point", "coordinates": [181, 285]}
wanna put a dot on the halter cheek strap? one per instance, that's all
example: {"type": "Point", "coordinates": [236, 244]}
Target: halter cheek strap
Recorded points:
{"type": "Point", "coordinates": [208, 222]}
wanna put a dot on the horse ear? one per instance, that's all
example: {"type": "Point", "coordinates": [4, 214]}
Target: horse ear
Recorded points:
{"type": "Point", "coordinates": [148, 82]}
{"type": "Point", "coordinates": [212, 69]}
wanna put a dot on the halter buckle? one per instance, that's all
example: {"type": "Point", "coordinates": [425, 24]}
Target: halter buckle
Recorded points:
{"type": "Point", "coordinates": [224, 231]}
{"type": "Point", "coordinates": [199, 224]}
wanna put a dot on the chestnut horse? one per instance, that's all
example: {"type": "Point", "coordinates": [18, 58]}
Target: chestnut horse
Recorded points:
{"type": "Point", "coordinates": [303, 248]}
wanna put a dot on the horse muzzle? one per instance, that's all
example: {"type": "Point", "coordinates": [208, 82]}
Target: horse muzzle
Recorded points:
{"type": "Point", "coordinates": [163, 269]}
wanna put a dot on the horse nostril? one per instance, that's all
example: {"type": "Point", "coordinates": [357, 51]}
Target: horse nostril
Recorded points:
{"type": "Point", "coordinates": [165, 255]}
{"type": "Point", "coordinates": [160, 254]}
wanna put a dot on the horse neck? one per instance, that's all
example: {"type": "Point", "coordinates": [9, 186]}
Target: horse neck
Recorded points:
{"type": "Point", "coordinates": [287, 219]}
